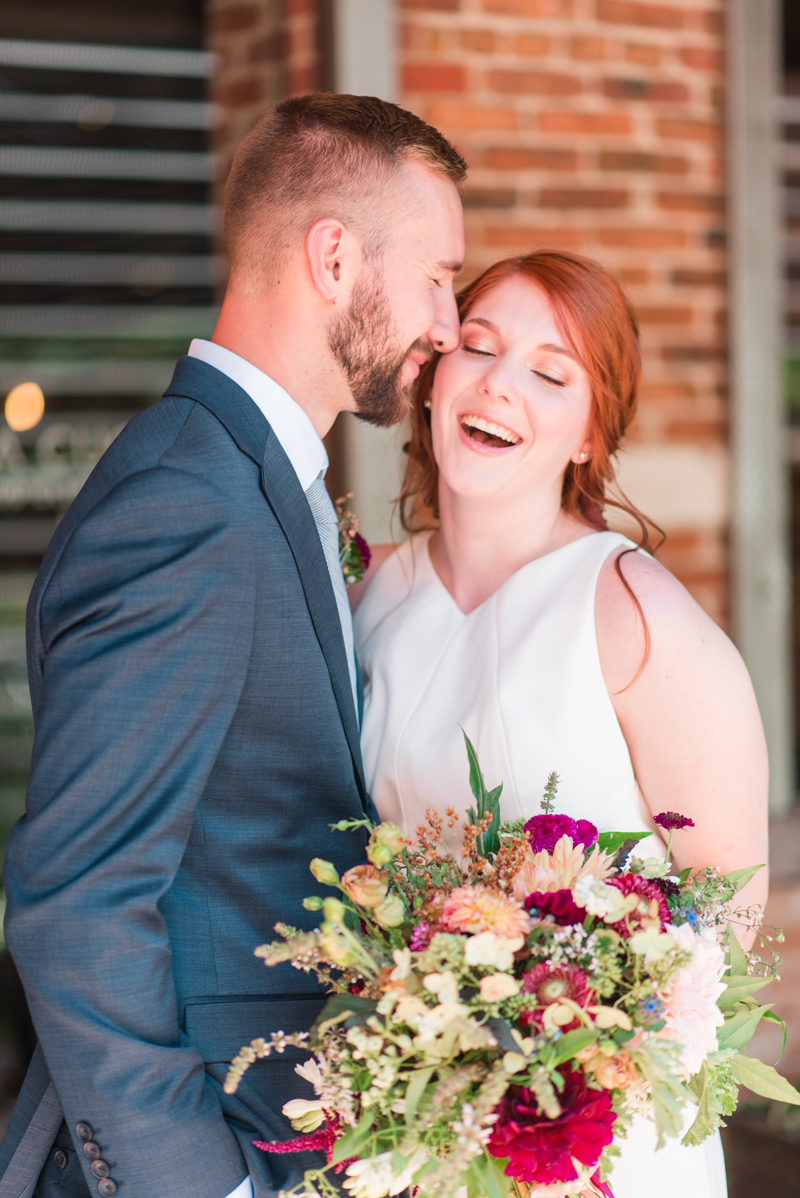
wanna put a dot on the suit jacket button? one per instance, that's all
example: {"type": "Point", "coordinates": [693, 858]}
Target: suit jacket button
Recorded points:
{"type": "Point", "coordinates": [91, 1150]}
{"type": "Point", "coordinates": [84, 1131]}
{"type": "Point", "coordinates": [60, 1159]}
{"type": "Point", "coordinates": [100, 1169]}
{"type": "Point", "coordinates": [107, 1188]}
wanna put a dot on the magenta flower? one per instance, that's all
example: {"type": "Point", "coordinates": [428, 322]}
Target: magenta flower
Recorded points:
{"type": "Point", "coordinates": [544, 831]}
{"type": "Point", "coordinates": [363, 549]}
{"type": "Point", "coordinates": [556, 905]}
{"type": "Point", "coordinates": [671, 820]}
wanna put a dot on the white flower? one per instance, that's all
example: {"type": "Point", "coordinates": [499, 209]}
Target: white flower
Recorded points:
{"type": "Point", "coordinates": [310, 1072]}
{"type": "Point", "coordinates": [303, 1114]}
{"type": "Point", "coordinates": [600, 900]}
{"type": "Point", "coordinates": [402, 960]}
{"type": "Point", "coordinates": [376, 1178]}
{"type": "Point", "coordinates": [651, 945]}
{"type": "Point", "coordinates": [443, 985]}
{"type": "Point", "coordinates": [690, 1000]}
{"type": "Point", "coordinates": [498, 986]}
{"type": "Point", "coordinates": [489, 949]}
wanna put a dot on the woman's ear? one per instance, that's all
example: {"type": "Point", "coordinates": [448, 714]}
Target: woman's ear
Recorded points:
{"type": "Point", "coordinates": [334, 259]}
{"type": "Point", "coordinates": [583, 454]}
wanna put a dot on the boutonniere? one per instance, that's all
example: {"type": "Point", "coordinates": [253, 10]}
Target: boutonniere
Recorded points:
{"type": "Point", "coordinates": [354, 552]}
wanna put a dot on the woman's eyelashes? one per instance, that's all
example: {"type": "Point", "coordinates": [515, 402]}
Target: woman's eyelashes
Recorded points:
{"type": "Point", "coordinates": [480, 351]}
{"type": "Point", "coordinates": [548, 378]}
{"type": "Point", "coordinates": [477, 351]}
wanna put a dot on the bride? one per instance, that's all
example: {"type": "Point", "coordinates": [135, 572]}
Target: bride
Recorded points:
{"type": "Point", "coordinates": [556, 644]}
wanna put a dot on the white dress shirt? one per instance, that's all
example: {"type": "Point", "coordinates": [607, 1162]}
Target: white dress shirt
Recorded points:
{"type": "Point", "coordinates": [298, 438]}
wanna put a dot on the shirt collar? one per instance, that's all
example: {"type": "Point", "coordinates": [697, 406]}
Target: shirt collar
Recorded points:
{"type": "Point", "coordinates": [298, 438]}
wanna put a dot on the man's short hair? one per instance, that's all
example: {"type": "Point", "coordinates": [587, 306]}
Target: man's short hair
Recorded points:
{"type": "Point", "coordinates": [323, 155]}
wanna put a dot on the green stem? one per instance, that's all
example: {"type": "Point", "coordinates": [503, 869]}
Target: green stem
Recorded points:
{"type": "Point", "coordinates": [669, 845]}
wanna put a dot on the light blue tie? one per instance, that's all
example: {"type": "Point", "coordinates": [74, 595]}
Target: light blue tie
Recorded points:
{"type": "Point", "coordinates": [324, 514]}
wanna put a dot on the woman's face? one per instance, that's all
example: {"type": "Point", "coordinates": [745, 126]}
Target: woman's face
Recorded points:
{"type": "Point", "coordinates": [511, 406]}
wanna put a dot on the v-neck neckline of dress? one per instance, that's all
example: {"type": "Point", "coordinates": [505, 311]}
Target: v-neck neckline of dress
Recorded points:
{"type": "Point", "coordinates": [465, 615]}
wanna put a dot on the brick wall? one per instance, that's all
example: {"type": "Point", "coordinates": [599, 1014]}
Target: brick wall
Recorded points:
{"type": "Point", "coordinates": [595, 125]}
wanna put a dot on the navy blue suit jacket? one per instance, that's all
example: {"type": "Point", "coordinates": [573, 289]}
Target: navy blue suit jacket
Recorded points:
{"type": "Point", "coordinates": [195, 738]}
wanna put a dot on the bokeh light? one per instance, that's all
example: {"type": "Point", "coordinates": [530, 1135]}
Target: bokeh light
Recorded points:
{"type": "Point", "coordinates": [24, 406]}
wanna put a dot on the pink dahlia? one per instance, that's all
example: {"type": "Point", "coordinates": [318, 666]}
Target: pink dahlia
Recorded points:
{"type": "Point", "coordinates": [544, 832]}
{"type": "Point", "coordinates": [557, 905]}
{"type": "Point", "coordinates": [547, 983]}
{"type": "Point", "coordinates": [476, 909]}
{"type": "Point", "coordinates": [651, 905]}
{"type": "Point", "coordinates": [542, 1151]}
{"type": "Point", "coordinates": [690, 1000]}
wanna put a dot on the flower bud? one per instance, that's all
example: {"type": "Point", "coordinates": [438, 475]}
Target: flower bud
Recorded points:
{"type": "Point", "coordinates": [333, 910]}
{"type": "Point", "coordinates": [391, 913]}
{"type": "Point", "coordinates": [313, 904]}
{"type": "Point", "coordinates": [304, 1114]}
{"type": "Point", "coordinates": [324, 872]}
{"type": "Point", "coordinates": [335, 949]}
{"type": "Point", "coordinates": [385, 842]}
{"type": "Point", "coordinates": [365, 885]}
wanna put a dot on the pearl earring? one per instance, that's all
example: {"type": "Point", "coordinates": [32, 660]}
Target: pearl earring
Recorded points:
{"type": "Point", "coordinates": [426, 403]}
{"type": "Point", "coordinates": [583, 457]}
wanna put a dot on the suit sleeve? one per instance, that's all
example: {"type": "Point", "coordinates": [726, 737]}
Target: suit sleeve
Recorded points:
{"type": "Point", "coordinates": [147, 625]}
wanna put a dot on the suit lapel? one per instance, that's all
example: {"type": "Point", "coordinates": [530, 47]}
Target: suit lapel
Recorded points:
{"type": "Point", "coordinates": [251, 431]}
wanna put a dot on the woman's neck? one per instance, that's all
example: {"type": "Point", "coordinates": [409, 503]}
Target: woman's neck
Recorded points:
{"type": "Point", "coordinates": [481, 543]}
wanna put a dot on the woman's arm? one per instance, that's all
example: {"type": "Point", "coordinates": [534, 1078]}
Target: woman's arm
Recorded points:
{"type": "Point", "coordinates": [690, 719]}
{"type": "Point", "coordinates": [355, 592]}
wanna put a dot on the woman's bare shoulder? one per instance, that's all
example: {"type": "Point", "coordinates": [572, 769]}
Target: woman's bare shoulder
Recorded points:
{"type": "Point", "coordinates": [380, 553]}
{"type": "Point", "coordinates": [676, 624]}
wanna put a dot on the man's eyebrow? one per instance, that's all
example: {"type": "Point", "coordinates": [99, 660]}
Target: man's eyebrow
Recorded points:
{"type": "Point", "coordinates": [452, 267]}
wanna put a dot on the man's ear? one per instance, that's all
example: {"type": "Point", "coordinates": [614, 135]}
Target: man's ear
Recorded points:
{"type": "Point", "coordinates": [334, 259]}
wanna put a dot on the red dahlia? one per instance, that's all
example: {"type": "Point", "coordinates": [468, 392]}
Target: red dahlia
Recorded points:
{"type": "Point", "coordinates": [547, 983]}
{"type": "Point", "coordinates": [540, 1151]}
{"type": "Point", "coordinates": [648, 893]}
{"type": "Point", "coordinates": [556, 905]}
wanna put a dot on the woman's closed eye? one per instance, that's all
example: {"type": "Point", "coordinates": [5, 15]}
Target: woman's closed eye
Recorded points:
{"type": "Point", "coordinates": [477, 351]}
{"type": "Point", "coordinates": [547, 378]}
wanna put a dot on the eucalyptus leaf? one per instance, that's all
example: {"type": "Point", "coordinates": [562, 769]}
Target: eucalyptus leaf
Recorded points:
{"type": "Point", "coordinates": [764, 1080]}
{"type": "Point", "coordinates": [610, 842]}
{"type": "Point", "coordinates": [740, 877]}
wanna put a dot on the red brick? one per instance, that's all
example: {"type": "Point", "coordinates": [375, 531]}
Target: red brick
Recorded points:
{"type": "Point", "coordinates": [466, 116]}
{"type": "Point", "coordinates": [533, 83]}
{"type": "Point", "coordinates": [627, 12]}
{"type": "Point", "coordinates": [589, 48]}
{"type": "Point", "coordinates": [480, 41]}
{"type": "Point", "coordinates": [508, 158]}
{"type": "Point", "coordinates": [633, 276]}
{"type": "Point", "coordinates": [694, 353]}
{"type": "Point", "coordinates": [510, 236]}
{"type": "Point", "coordinates": [696, 430]}
{"type": "Point", "coordinates": [490, 197]}
{"type": "Point", "coordinates": [666, 392]}
{"type": "Point", "coordinates": [639, 160]}
{"type": "Point", "coordinates": [232, 20]}
{"type": "Point", "coordinates": [266, 49]}
{"type": "Point", "coordinates": [585, 122]}
{"type": "Point", "coordinates": [298, 8]}
{"type": "Point", "coordinates": [433, 5]}
{"type": "Point", "coordinates": [438, 77]}
{"type": "Point", "coordinates": [563, 197]}
{"type": "Point", "coordinates": [698, 278]}
{"type": "Point", "coordinates": [420, 39]}
{"type": "Point", "coordinates": [701, 59]}
{"type": "Point", "coordinates": [693, 130]}
{"type": "Point", "coordinates": [531, 45]}
{"type": "Point", "coordinates": [302, 79]}
{"type": "Point", "coordinates": [664, 315]}
{"type": "Point", "coordinates": [243, 91]}
{"type": "Point", "coordinates": [645, 89]}
{"type": "Point", "coordinates": [643, 238]}
{"type": "Point", "coordinates": [644, 54]}
{"type": "Point", "coordinates": [682, 201]}
{"type": "Point", "coordinates": [531, 8]}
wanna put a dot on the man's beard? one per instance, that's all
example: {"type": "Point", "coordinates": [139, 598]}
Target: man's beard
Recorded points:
{"type": "Point", "coordinates": [363, 342]}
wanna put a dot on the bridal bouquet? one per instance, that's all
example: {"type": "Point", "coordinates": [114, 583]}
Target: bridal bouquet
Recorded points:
{"type": "Point", "coordinates": [496, 1022]}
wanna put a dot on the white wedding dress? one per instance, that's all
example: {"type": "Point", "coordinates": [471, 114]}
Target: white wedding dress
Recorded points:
{"type": "Point", "coordinates": [521, 675]}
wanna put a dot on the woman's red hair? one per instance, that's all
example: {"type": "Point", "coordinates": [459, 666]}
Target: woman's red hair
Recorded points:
{"type": "Point", "coordinates": [597, 322]}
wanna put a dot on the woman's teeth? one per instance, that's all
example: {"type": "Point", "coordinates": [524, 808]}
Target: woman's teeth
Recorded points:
{"type": "Point", "coordinates": [497, 431]}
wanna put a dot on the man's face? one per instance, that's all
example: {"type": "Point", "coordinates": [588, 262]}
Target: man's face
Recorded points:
{"type": "Point", "coordinates": [402, 307]}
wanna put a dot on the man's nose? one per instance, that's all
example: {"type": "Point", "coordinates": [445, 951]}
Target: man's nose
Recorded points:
{"type": "Point", "coordinates": [445, 332]}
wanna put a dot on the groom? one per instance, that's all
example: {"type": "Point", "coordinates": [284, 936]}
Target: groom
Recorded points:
{"type": "Point", "coordinates": [193, 679]}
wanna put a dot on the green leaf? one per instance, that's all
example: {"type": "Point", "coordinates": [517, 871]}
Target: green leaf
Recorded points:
{"type": "Point", "coordinates": [609, 842]}
{"type": "Point", "coordinates": [354, 1140]}
{"type": "Point", "coordinates": [717, 1094]}
{"type": "Point", "coordinates": [414, 1091]}
{"type": "Point", "coordinates": [486, 1177]}
{"type": "Point", "coordinates": [738, 989]}
{"type": "Point", "coordinates": [658, 1061]}
{"type": "Point", "coordinates": [573, 1042]}
{"type": "Point", "coordinates": [338, 1008]}
{"type": "Point", "coordinates": [740, 877]}
{"type": "Point", "coordinates": [771, 1017]}
{"type": "Point", "coordinates": [764, 1080]}
{"type": "Point", "coordinates": [737, 961]}
{"type": "Point", "coordinates": [488, 802]}
{"type": "Point", "coordinates": [684, 875]}
{"type": "Point", "coordinates": [739, 1030]}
